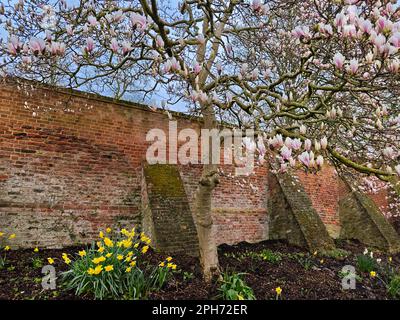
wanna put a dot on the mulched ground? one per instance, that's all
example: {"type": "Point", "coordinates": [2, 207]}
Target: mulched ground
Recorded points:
{"type": "Point", "coordinates": [315, 279]}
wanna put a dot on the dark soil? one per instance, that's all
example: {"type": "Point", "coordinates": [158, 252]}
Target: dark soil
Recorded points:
{"type": "Point", "coordinates": [312, 279]}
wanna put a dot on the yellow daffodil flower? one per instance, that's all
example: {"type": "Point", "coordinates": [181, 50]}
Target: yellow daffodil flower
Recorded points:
{"type": "Point", "coordinates": [130, 254]}
{"type": "Point", "coordinates": [50, 260]}
{"type": "Point", "coordinates": [169, 265]}
{"type": "Point", "coordinates": [278, 291]}
{"type": "Point", "coordinates": [101, 234]}
{"type": "Point", "coordinates": [108, 255]}
{"type": "Point", "coordinates": [144, 249]}
{"type": "Point", "coordinates": [98, 260]}
{"type": "Point", "coordinates": [372, 274]}
{"type": "Point", "coordinates": [127, 259]}
{"type": "Point", "coordinates": [109, 268]}
{"type": "Point", "coordinates": [169, 259]}
{"type": "Point", "coordinates": [108, 230]}
{"type": "Point", "coordinates": [240, 297]}
{"type": "Point", "coordinates": [12, 236]}
{"type": "Point", "coordinates": [7, 248]}
{"type": "Point", "coordinates": [101, 249]}
{"type": "Point", "coordinates": [108, 242]}
{"type": "Point", "coordinates": [162, 264]}
{"type": "Point", "coordinates": [82, 253]}
{"type": "Point", "coordinates": [98, 269]}
{"type": "Point", "coordinates": [174, 267]}
{"type": "Point", "coordinates": [90, 271]}
{"type": "Point", "coordinates": [136, 245]}
{"type": "Point", "coordinates": [133, 263]}
{"type": "Point", "coordinates": [36, 249]}
{"type": "Point", "coordinates": [129, 269]}
{"type": "Point", "coordinates": [120, 257]}
{"type": "Point", "coordinates": [390, 259]}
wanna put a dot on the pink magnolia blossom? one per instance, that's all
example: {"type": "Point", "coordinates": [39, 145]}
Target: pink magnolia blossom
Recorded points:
{"type": "Point", "coordinates": [340, 20]}
{"type": "Point", "coordinates": [395, 40]}
{"type": "Point", "coordinates": [13, 45]}
{"type": "Point", "coordinates": [37, 45]}
{"type": "Point", "coordinates": [338, 60]}
{"type": "Point", "coordinates": [89, 45]}
{"type": "Point", "coordinates": [307, 144]}
{"type": "Point", "coordinates": [159, 42]}
{"type": "Point", "coordinates": [196, 68]}
{"type": "Point", "coordinates": [353, 67]}
{"type": "Point", "coordinates": [304, 158]}
{"type": "Point", "coordinates": [114, 45]}
{"type": "Point", "coordinates": [365, 25]}
{"type": "Point", "coordinates": [126, 47]}
{"type": "Point", "coordinates": [324, 143]}
{"type": "Point", "coordinates": [296, 144]}
{"type": "Point", "coordinates": [138, 21]}
{"type": "Point", "coordinates": [92, 21]}
{"type": "Point", "coordinates": [261, 146]}
{"type": "Point", "coordinates": [320, 161]}
{"type": "Point", "coordinates": [286, 153]}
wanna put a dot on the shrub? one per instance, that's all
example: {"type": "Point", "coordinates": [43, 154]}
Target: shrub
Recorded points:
{"type": "Point", "coordinates": [394, 287]}
{"type": "Point", "coordinates": [233, 287]}
{"type": "Point", "coordinates": [114, 268]}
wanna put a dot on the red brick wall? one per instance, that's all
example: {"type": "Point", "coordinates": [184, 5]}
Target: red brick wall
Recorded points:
{"type": "Point", "coordinates": [71, 164]}
{"type": "Point", "coordinates": [323, 190]}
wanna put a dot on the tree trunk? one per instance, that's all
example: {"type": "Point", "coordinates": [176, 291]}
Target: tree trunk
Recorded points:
{"type": "Point", "coordinates": [202, 210]}
{"type": "Point", "coordinates": [202, 207]}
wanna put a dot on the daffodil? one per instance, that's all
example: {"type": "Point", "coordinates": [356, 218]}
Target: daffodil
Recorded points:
{"type": "Point", "coordinates": [162, 264]}
{"type": "Point", "coordinates": [90, 271]}
{"type": "Point", "coordinates": [7, 248]}
{"type": "Point", "coordinates": [101, 234]}
{"type": "Point", "coordinates": [372, 274]}
{"type": "Point", "coordinates": [278, 291]}
{"type": "Point", "coordinates": [120, 257]}
{"type": "Point", "coordinates": [50, 260]}
{"type": "Point", "coordinates": [133, 263]}
{"type": "Point", "coordinates": [144, 249]}
{"type": "Point", "coordinates": [127, 259]}
{"type": "Point", "coordinates": [174, 267]}
{"type": "Point", "coordinates": [12, 236]}
{"type": "Point", "coordinates": [36, 249]}
{"type": "Point", "coordinates": [129, 269]}
{"type": "Point", "coordinates": [98, 269]}
{"type": "Point", "coordinates": [66, 259]}
{"type": "Point", "coordinates": [109, 268]}
{"type": "Point", "coordinates": [82, 253]}
{"type": "Point", "coordinates": [390, 259]}
{"type": "Point", "coordinates": [98, 260]}
{"type": "Point", "coordinates": [108, 242]}
{"type": "Point", "coordinates": [108, 230]}
{"type": "Point", "coordinates": [240, 297]}
{"type": "Point", "coordinates": [130, 254]}
{"type": "Point", "coordinates": [109, 255]}
{"type": "Point", "coordinates": [101, 249]}
{"type": "Point", "coordinates": [169, 265]}
{"type": "Point", "coordinates": [169, 259]}
{"type": "Point", "coordinates": [136, 245]}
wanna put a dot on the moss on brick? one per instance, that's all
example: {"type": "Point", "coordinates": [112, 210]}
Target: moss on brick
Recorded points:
{"type": "Point", "coordinates": [164, 180]}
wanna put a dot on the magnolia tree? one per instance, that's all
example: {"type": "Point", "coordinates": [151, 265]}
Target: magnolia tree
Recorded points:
{"type": "Point", "coordinates": [316, 79]}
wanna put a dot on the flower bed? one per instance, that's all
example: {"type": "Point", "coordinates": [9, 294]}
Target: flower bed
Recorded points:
{"type": "Point", "coordinates": [272, 269]}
